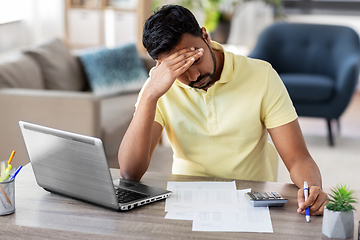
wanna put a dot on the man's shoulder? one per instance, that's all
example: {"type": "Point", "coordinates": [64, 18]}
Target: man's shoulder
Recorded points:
{"type": "Point", "coordinates": [251, 61]}
{"type": "Point", "coordinates": [236, 59]}
{"type": "Point", "coordinates": [243, 64]}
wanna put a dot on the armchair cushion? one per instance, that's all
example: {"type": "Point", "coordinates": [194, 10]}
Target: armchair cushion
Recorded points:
{"type": "Point", "coordinates": [112, 71]}
{"type": "Point", "coordinates": [21, 72]}
{"type": "Point", "coordinates": [308, 87]}
{"type": "Point", "coordinates": [60, 69]}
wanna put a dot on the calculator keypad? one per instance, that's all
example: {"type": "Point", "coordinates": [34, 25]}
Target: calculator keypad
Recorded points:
{"type": "Point", "coordinates": [266, 199]}
{"type": "Point", "coordinates": [264, 195]}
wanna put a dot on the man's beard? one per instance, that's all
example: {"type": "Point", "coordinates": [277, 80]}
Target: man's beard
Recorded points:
{"type": "Point", "coordinates": [211, 76]}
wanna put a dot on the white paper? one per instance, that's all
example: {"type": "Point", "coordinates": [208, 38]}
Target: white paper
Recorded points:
{"type": "Point", "coordinates": [247, 219]}
{"type": "Point", "coordinates": [180, 215]}
{"type": "Point", "coordinates": [201, 196]}
{"type": "Point", "coordinates": [216, 206]}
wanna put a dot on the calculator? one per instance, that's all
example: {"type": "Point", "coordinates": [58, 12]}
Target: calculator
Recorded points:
{"type": "Point", "coordinates": [266, 199]}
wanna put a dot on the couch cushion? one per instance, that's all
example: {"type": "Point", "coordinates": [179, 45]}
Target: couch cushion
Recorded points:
{"type": "Point", "coordinates": [60, 69]}
{"type": "Point", "coordinates": [21, 72]}
{"type": "Point", "coordinates": [112, 71]}
{"type": "Point", "coordinates": [308, 88]}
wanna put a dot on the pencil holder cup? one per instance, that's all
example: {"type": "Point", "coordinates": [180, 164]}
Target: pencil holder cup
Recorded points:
{"type": "Point", "coordinates": [7, 197]}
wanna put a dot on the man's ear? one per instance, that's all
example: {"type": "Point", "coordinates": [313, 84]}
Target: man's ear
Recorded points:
{"type": "Point", "coordinates": [205, 35]}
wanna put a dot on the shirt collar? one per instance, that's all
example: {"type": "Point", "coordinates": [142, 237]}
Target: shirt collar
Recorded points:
{"type": "Point", "coordinates": [228, 68]}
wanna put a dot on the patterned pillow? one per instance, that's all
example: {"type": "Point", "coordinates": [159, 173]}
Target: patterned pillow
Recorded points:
{"type": "Point", "coordinates": [113, 71]}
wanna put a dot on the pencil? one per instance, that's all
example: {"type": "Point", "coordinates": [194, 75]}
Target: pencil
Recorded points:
{"type": "Point", "coordinates": [11, 157]}
{"type": "Point", "coordinates": [5, 195]}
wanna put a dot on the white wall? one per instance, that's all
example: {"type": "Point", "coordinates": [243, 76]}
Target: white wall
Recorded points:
{"type": "Point", "coordinates": [43, 19]}
{"type": "Point", "coordinates": [350, 21]}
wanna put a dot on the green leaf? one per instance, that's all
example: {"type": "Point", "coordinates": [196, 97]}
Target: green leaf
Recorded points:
{"type": "Point", "coordinates": [341, 199]}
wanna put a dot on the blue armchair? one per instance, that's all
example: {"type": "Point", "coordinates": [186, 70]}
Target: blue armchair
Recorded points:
{"type": "Point", "coordinates": [319, 65]}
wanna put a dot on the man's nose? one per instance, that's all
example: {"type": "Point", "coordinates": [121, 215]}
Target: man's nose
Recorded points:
{"type": "Point", "coordinates": [192, 74]}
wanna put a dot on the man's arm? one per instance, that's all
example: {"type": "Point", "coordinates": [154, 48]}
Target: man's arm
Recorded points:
{"type": "Point", "coordinates": [144, 133]}
{"type": "Point", "coordinates": [290, 144]}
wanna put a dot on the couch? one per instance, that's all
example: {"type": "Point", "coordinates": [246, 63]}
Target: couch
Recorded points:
{"type": "Point", "coordinates": [49, 85]}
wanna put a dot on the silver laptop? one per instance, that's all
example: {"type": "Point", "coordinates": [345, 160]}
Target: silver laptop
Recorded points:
{"type": "Point", "coordinates": [75, 165]}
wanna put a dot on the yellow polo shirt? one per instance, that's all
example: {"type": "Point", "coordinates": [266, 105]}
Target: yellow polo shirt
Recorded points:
{"type": "Point", "coordinates": [222, 132]}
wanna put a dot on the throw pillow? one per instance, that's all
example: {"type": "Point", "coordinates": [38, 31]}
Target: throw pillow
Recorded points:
{"type": "Point", "coordinates": [113, 71]}
{"type": "Point", "coordinates": [60, 69]}
{"type": "Point", "coordinates": [21, 72]}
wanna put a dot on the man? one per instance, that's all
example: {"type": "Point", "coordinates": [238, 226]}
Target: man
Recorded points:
{"type": "Point", "coordinates": [217, 108]}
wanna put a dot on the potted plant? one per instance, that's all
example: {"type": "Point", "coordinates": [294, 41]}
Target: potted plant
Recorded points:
{"type": "Point", "coordinates": [338, 220]}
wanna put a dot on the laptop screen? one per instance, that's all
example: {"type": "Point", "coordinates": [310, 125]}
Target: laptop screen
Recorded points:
{"type": "Point", "coordinates": [69, 164]}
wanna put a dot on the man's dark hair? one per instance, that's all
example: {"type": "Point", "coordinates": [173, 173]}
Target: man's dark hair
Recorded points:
{"type": "Point", "coordinates": [164, 29]}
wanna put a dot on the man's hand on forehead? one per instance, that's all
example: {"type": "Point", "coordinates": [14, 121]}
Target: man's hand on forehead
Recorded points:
{"type": "Point", "coordinates": [170, 67]}
{"type": "Point", "coordinates": [179, 61]}
{"type": "Point", "coordinates": [185, 53]}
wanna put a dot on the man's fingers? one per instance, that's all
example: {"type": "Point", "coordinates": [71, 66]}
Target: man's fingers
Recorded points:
{"type": "Point", "coordinates": [184, 56]}
{"type": "Point", "coordinates": [301, 197]}
{"type": "Point", "coordinates": [318, 211]}
{"type": "Point", "coordinates": [180, 64]}
{"type": "Point", "coordinates": [317, 208]}
{"type": "Point", "coordinates": [316, 200]}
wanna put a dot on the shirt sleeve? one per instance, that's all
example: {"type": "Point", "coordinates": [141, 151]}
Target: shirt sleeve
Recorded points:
{"type": "Point", "coordinates": [277, 109]}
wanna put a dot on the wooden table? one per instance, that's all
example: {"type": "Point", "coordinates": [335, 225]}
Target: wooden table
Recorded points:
{"type": "Point", "coordinates": [43, 215]}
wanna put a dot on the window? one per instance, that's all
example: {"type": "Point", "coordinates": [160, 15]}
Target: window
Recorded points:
{"type": "Point", "coordinates": [11, 10]}
{"type": "Point", "coordinates": [346, 7]}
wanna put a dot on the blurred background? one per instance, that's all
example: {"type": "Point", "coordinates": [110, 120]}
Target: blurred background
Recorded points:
{"type": "Point", "coordinates": [85, 23]}
{"type": "Point", "coordinates": [234, 23]}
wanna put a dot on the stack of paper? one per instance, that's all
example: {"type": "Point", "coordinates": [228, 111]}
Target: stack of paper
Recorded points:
{"type": "Point", "coordinates": [216, 206]}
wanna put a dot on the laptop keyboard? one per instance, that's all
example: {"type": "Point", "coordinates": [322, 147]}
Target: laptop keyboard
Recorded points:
{"type": "Point", "coordinates": [125, 196]}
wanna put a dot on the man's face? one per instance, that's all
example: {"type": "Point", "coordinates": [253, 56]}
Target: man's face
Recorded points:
{"type": "Point", "coordinates": [201, 74]}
